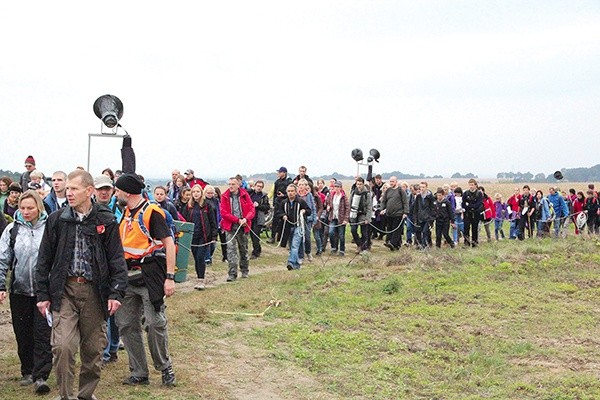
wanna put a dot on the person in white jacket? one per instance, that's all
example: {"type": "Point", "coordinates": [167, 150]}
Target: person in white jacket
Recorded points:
{"type": "Point", "coordinates": [19, 246]}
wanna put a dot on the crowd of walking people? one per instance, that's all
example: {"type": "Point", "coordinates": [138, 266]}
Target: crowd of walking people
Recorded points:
{"type": "Point", "coordinates": [88, 249]}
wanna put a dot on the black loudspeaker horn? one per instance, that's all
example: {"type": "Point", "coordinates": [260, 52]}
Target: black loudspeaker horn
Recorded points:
{"type": "Point", "coordinates": [357, 155]}
{"type": "Point", "coordinates": [375, 154]}
{"type": "Point", "coordinates": [558, 175]}
{"type": "Point", "coordinates": [109, 109]}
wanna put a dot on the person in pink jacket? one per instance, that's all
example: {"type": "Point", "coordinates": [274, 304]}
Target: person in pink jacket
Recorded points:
{"type": "Point", "coordinates": [237, 212]}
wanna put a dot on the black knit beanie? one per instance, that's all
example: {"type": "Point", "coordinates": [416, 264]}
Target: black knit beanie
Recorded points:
{"type": "Point", "coordinates": [130, 183]}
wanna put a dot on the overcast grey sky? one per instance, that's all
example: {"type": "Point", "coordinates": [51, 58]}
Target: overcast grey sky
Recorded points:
{"type": "Point", "coordinates": [248, 86]}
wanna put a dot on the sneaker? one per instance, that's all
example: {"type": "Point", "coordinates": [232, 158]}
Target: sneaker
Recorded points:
{"type": "Point", "coordinates": [253, 257]}
{"type": "Point", "coordinates": [40, 386]}
{"type": "Point", "coordinates": [301, 261]}
{"type": "Point", "coordinates": [224, 259]}
{"type": "Point", "coordinates": [290, 267]}
{"type": "Point", "coordinates": [231, 278]}
{"type": "Point", "coordinates": [309, 257]}
{"type": "Point", "coordinates": [111, 359]}
{"type": "Point", "coordinates": [136, 380]}
{"type": "Point", "coordinates": [271, 241]}
{"type": "Point", "coordinates": [168, 376]}
{"type": "Point", "coordinates": [388, 245]}
{"type": "Point", "coordinates": [341, 254]}
{"type": "Point", "coordinates": [333, 251]}
{"type": "Point", "coordinates": [199, 285]}
{"type": "Point", "coordinates": [26, 380]}
{"type": "Point", "coordinates": [245, 274]}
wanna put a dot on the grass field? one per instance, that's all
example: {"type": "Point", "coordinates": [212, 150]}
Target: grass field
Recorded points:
{"type": "Point", "coordinates": [508, 320]}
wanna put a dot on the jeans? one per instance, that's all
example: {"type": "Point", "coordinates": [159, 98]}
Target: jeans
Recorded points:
{"type": "Point", "coordinates": [513, 228]}
{"type": "Point", "coordinates": [558, 223]}
{"type": "Point", "coordinates": [460, 227]}
{"type": "Point", "coordinates": [306, 248]}
{"type": "Point", "coordinates": [337, 233]}
{"type": "Point", "coordinates": [112, 334]}
{"type": "Point", "coordinates": [498, 229]}
{"type": "Point", "coordinates": [199, 251]}
{"type": "Point", "coordinates": [410, 230]}
{"type": "Point", "coordinates": [318, 234]}
{"type": "Point", "coordinates": [295, 242]}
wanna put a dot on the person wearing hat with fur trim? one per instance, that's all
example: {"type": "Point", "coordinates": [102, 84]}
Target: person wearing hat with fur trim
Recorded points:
{"type": "Point", "coordinates": [81, 279]}
{"type": "Point", "coordinates": [150, 254]}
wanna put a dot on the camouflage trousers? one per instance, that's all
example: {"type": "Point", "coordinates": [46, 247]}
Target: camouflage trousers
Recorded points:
{"type": "Point", "coordinates": [237, 251]}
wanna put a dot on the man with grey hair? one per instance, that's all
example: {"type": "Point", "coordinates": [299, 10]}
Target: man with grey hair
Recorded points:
{"type": "Point", "coordinates": [81, 280]}
{"type": "Point", "coordinates": [237, 212]}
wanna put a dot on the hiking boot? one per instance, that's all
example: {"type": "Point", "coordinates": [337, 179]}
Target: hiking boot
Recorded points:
{"type": "Point", "coordinates": [200, 285]}
{"type": "Point", "coordinates": [136, 380]}
{"type": "Point", "coordinates": [168, 376]}
{"type": "Point", "coordinates": [231, 278]}
{"type": "Point", "coordinates": [26, 380]}
{"type": "Point", "coordinates": [245, 274]}
{"type": "Point", "coordinates": [40, 386]}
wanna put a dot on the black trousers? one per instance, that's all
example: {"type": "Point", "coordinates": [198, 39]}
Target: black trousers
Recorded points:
{"type": "Point", "coordinates": [471, 233]}
{"type": "Point", "coordinates": [441, 229]}
{"type": "Point", "coordinates": [33, 336]}
{"type": "Point", "coordinates": [255, 236]}
{"type": "Point", "coordinates": [395, 228]}
{"type": "Point", "coordinates": [363, 241]}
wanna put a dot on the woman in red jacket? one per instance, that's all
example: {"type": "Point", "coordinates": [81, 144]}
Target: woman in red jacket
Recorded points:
{"type": "Point", "coordinates": [489, 213]}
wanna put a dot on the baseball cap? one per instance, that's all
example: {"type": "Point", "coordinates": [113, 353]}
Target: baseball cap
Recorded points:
{"type": "Point", "coordinates": [102, 181]}
{"type": "Point", "coordinates": [282, 169]}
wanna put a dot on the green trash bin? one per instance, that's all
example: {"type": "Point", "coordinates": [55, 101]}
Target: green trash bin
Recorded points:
{"type": "Point", "coordinates": [185, 231]}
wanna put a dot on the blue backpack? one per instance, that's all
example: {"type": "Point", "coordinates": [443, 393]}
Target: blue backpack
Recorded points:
{"type": "Point", "coordinates": [168, 218]}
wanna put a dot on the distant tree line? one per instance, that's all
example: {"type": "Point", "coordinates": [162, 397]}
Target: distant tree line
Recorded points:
{"type": "Point", "coordinates": [15, 176]}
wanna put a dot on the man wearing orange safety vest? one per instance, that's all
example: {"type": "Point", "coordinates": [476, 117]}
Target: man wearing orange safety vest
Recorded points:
{"type": "Point", "coordinates": [150, 254]}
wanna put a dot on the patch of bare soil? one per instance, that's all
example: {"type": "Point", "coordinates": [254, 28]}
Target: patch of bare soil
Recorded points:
{"type": "Point", "coordinates": [248, 373]}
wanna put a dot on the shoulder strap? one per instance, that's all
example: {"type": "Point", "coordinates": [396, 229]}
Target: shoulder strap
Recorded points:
{"type": "Point", "coordinates": [13, 236]}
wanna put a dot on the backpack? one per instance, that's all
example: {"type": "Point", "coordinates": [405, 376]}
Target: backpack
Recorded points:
{"type": "Point", "coordinates": [168, 218]}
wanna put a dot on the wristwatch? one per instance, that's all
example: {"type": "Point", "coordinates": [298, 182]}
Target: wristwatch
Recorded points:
{"type": "Point", "coordinates": [171, 276]}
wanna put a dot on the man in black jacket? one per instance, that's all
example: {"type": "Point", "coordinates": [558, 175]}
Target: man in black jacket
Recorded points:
{"type": "Point", "coordinates": [444, 217]}
{"type": "Point", "coordinates": [81, 280]}
{"type": "Point", "coordinates": [261, 207]}
{"type": "Point", "coordinates": [279, 195]}
{"type": "Point", "coordinates": [472, 202]}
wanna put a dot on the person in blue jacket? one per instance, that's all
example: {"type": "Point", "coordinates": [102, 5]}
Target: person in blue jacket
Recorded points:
{"type": "Point", "coordinates": [561, 211]}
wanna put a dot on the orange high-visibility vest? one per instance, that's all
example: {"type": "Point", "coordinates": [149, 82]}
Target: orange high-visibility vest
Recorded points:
{"type": "Point", "coordinates": [138, 244]}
